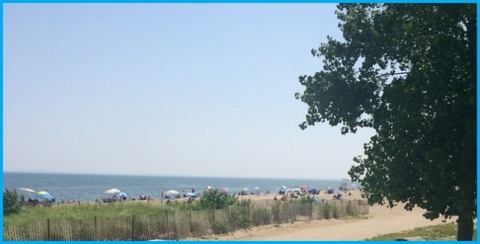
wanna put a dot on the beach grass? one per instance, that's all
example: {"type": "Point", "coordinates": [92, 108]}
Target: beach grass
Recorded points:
{"type": "Point", "coordinates": [436, 232]}
{"type": "Point", "coordinates": [90, 211]}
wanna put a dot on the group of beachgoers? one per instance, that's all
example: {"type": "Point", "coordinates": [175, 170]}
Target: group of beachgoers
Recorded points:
{"type": "Point", "coordinates": [46, 201]}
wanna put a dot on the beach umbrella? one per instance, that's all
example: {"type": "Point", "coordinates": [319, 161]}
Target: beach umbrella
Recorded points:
{"type": "Point", "coordinates": [297, 189]}
{"type": "Point", "coordinates": [189, 194]}
{"type": "Point", "coordinates": [44, 195]}
{"type": "Point", "coordinates": [303, 187]}
{"type": "Point", "coordinates": [113, 191]}
{"type": "Point", "coordinates": [224, 189]}
{"type": "Point", "coordinates": [27, 190]}
{"type": "Point", "coordinates": [171, 192]}
{"type": "Point", "coordinates": [245, 189]}
{"type": "Point", "coordinates": [256, 188]}
{"type": "Point", "coordinates": [283, 187]}
{"type": "Point", "coordinates": [122, 194]}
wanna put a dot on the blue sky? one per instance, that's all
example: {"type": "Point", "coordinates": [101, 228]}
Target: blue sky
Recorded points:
{"type": "Point", "coordinates": [167, 89]}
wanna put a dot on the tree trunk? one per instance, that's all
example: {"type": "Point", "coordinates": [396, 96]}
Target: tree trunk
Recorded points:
{"type": "Point", "coordinates": [465, 228]}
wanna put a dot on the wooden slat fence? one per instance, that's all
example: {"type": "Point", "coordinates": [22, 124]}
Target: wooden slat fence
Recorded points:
{"type": "Point", "coordinates": [180, 224]}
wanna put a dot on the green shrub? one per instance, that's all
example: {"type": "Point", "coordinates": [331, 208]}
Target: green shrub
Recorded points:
{"type": "Point", "coordinates": [216, 199]}
{"type": "Point", "coordinates": [239, 218]}
{"type": "Point", "coordinates": [11, 202]}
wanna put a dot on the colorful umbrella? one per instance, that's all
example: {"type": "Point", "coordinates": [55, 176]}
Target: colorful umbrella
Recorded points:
{"type": "Point", "coordinates": [303, 187]}
{"type": "Point", "coordinates": [44, 195]}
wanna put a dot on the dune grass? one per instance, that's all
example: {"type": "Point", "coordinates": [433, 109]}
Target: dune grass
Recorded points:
{"type": "Point", "coordinates": [436, 232]}
{"type": "Point", "coordinates": [89, 211]}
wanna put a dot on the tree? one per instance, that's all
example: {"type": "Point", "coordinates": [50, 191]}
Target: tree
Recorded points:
{"type": "Point", "coordinates": [409, 72]}
{"type": "Point", "coordinates": [11, 202]}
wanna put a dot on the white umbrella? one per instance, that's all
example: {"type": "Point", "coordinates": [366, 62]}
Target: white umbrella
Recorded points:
{"type": "Point", "coordinates": [113, 191]}
{"type": "Point", "coordinates": [27, 190]}
{"type": "Point", "coordinates": [171, 192]}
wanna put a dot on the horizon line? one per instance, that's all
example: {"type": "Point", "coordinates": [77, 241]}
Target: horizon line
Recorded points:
{"type": "Point", "coordinates": [168, 175]}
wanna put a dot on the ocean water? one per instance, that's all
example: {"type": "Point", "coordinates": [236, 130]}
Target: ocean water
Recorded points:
{"type": "Point", "coordinates": [87, 188]}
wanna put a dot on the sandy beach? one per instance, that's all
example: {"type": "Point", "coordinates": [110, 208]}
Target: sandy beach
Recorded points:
{"type": "Point", "coordinates": [380, 220]}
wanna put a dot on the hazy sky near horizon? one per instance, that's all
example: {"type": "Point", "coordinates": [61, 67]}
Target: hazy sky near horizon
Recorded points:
{"type": "Point", "coordinates": [167, 89]}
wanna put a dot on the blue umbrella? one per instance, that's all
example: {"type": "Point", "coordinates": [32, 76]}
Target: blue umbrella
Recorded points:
{"type": "Point", "coordinates": [44, 195]}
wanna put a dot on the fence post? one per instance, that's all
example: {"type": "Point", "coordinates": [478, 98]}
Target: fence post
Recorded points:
{"type": "Point", "coordinates": [95, 229]}
{"type": "Point", "coordinates": [190, 222]}
{"type": "Point", "coordinates": [48, 229]}
{"type": "Point", "coordinates": [343, 207]}
{"type": "Point", "coordinates": [311, 210]}
{"type": "Point", "coordinates": [133, 227]}
{"type": "Point", "coordinates": [213, 215]}
{"type": "Point", "coordinates": [168, 228]}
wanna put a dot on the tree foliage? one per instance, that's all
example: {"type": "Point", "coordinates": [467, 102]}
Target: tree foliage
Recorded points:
{"type": "Point", "coordinates": [409, 72]}
{"type": "Point", "coordinates": [11, 202]}
{"type": "Point", "coordinates": [217, 199]}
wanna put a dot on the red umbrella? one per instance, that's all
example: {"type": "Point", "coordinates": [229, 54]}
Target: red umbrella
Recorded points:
{"type": "Point", "coordinates": [303, 187]}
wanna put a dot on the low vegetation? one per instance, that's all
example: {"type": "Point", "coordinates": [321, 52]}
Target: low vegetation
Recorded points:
{"type": "Point", "coordinates": [214, 213]}
{"type": "Point", "coordinates": [25, 215]}
{"type": "Point", "coordinates": [436, 232]}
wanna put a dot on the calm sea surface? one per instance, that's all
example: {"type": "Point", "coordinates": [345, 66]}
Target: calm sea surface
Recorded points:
{"type": "Point", "coordinates": [90, 187]}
